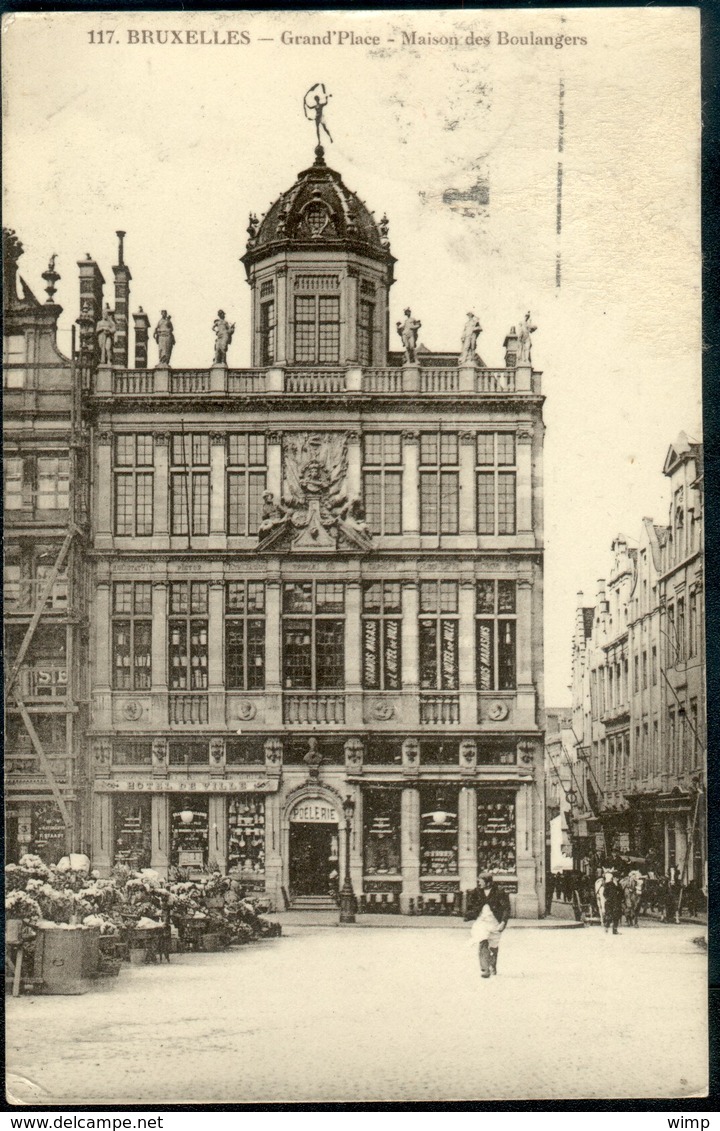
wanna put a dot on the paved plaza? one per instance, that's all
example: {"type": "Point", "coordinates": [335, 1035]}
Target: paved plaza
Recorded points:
{"type": "Point", "coordinates": [344, 1014]}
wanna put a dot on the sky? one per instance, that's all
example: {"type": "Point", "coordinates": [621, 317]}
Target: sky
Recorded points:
{"type": "Point", "coordinates": [459, 142]}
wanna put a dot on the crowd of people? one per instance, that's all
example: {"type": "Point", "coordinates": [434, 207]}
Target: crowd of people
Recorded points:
{"type": "Point", "coordinates": [655, 893]}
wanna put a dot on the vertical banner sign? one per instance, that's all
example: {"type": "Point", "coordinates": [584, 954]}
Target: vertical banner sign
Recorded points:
{"type": "Point", "coordinates": [449, 655]}
{"type": "Point", "coordinates": [485, 655]}
{"type": "Point", "coordinates": [392, 656]}
{"type": "Point", "coordinates": [370, 653]}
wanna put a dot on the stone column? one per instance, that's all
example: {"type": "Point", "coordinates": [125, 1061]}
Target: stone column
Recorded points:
{"type": "Point", "coordinates": [216, 637]}
{"type": "Point", "coordinates": [466, 653]}
{"type": "Point", "coordinates": [274, 464]}
{"type": "Point", "coordinates": [411, 484]}
{"type": "Point", "coordinates": [273, 688]}
{"type": "Point", "coordinates": [161, 488]}
{"type": "Point", "coordinates": [217, 821]}
{"type": "Point", "coordinates": [524, 482]}
{"type": "Point", "coordinates": [102, 833]}
{"type": "Point", "coordinates": [217, 489]}
{"type": "Point", "coordinates": [159, 653]}
{"type": "Point", "coordinates": [468, 524]}
{"type": "Point", "coordinates": [103, 633]}
{"type": "Point", "coordinates": [467, 839]}
{"type": "Point", "coordinates": [353, 662]}
{"type": "Point", "coordinates": [273, 854]}
{"type": "Point", "coordinates": [160, 826]}
{"type": "Point", "coordinates": [349, 315]}
{"type": "Point", "coordinates": [526, 900]}
{"type": "Point", "coordinates": [354, 471]}
{"type": "Point", "coordinates": [410, 653]}
{"type": "Point", "coordinates": [104, 494]}
{"type": "Point", "coordinates": [283, 319]}
{"type": "Point", "coordinates": [356, 845]}
{"type": "Point", "coordinates": [410, 846]}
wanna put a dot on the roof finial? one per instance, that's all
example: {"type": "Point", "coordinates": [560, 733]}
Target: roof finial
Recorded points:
{"type": "Point", "coordinates": [51, 277]}
{"type": "Point", "coordinates": [314, 102]}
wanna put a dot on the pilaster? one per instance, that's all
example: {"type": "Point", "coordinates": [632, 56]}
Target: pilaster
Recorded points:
{"type": "Point", "coordinates": [467, 838]}
{"type": "Point", "coordinates": [102, 833]}
{"type": "Point", "coordinates": [466, 652]}
{"type": "Point", "coordinates": [216, 636]}
{"type": "Point", "coordinates": [158, 646]}
{"type": "Point", "coordinates": [468, 524]}
{"type": "Point", "coordinates": [282, 321]}
{"type": "Point", "coordinates": [103, 633]}
{"type": "Point", "coordinates": [410, 846]}
{"type": "Point", "coordinates": [411, 501]}
{"type": "Point", "coordinates": [272, 636]}
{"type": "Point", "coordinates": [354, 468]}
{"type": "Point", "coordinates": [353, 636]}
{"type": "Point", "coordinates": [350, 312]}
{"type": "Point", "coordinates": [217, 821]}
{"type": "Point", "coordinates": [524, 482]}
{"type": "Point", "coordinates": [274, 464]}
{"type": "Point", "coordinates": [217, 489]}
{"type": "Point", "coordinates": [104, 493]}
{"type": "Point", "coordinates": [410, 652]}
{"type": "Point", "coordinates": [160, 487]}
{"type": "Point", "coordinates": [160, 828]}
{"type": "Point", "coordinates": [527, 905]}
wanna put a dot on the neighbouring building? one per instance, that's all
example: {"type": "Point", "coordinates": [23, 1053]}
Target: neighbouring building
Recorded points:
{"type": "Point", "coordinates": [315, 579]}
{"type": "Point", "coordinates": [639, 690]}
{"type": "Point", "coordinates": [561, 788]}
{"type": "Point", "coordinates": [45, 528]}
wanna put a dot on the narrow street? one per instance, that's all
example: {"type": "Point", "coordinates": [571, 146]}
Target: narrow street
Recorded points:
{"type": "Point", "coordinates": [335, 1014]}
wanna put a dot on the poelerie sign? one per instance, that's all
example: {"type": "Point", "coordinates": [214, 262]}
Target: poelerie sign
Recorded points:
{"type": "Point", "coordinates": [316, 812]}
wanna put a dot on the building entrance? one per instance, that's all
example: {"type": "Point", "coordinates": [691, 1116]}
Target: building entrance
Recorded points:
{"type": "Point", "coordinates": [313, 858]}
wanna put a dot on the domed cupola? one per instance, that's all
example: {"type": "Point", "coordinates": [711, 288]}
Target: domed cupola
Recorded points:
{"type": "Point", "coordinates": [320, 268]}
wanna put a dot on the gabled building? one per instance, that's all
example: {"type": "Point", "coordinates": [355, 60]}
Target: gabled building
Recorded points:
{"type": "Point", "coordinates": [45, 516]}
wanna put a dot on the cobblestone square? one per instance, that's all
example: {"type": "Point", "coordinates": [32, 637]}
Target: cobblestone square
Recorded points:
{"type": "Point", "coordinates": [382, 1014]}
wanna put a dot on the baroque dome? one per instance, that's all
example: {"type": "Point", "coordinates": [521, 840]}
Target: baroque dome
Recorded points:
{"type": "Point", "coordinates": [319, 211]}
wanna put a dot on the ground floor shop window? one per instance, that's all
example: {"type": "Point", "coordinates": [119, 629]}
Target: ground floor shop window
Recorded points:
{"type": "Point", "coordinates": [438, 831]}
{"type": "Point", "coordinates": [189, 832]}
{"type": "Point", "coordinates": [133, 837]}
{"type": "Point", "coordinates": [245, 752]}
{"type": "Point", "coordinates": [246, 835]}
{"type": "Point", "coordinates": [496, 832]}
{"type": "Point", "coordinates": [381, 839]}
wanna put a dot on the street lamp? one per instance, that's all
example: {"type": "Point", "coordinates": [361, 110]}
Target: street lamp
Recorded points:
{"type": "Point", "coordinates": [347, 895]}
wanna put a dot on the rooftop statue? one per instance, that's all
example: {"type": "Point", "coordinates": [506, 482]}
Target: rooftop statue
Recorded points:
{"type": "Point", "coordinates": [253, 225]}
{"type": "Point", "coordinates": [524, 340]}
{"type": "Point", "coordinates": [165, 338]}
{"type": "Point", "coordinates": [408, 331]}
{"type": "Point", "coordinates": [471, 331]}
{"type": "Point", "coordinates": [106, 330]}
{"type": "Point", "coordinates": [314, 104]}
{"type": "Point", "coordinates": [223, 337]}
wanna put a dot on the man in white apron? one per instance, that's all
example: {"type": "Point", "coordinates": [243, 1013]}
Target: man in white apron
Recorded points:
{"type": "Point", "coordinates": [489, 906]}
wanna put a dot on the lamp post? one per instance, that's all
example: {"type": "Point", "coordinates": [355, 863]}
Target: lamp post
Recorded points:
{"type": "Point", "coordinates": [347, 895]}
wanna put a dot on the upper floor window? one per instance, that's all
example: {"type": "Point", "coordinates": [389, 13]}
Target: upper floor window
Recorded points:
{"type": "Point", "coordinates": [133, 484]}
{"type": "Point", "coordinates": [365, 331]}
{"type": "Point", "coordinates": [495, 635]}
{"type": "Point", "coordinates": [317, 329]}
{"type": "Point", "coordinates": [246, 481]}
{"type": "Point", "coordinates": [439, 629]}
{"type": "Point", "coordinates": [14, 481]}
{"type": "Point", "coordinates": [267, 331]}
{"type": "Point", "coordinates": [439, 482]}
{"type": "Point", "coordinates": [382, 481]}
{"type": "Point", "coordinates": [694, 624]}
{"type": "Point", "coordinates": [671, 637]}
{"type": "Point", "coordinates": [681, 628]}
{"type": "Point", "coordinates": [131, 635]}
{"type": "Point", "coordinates": [53, 483]}
{"type": "Point", "coordinates": [245, 635]}
{"type": "Point", "coordinates": [190, 484]}
{"type": "Point", "coordinates": [188, 636]}
{"type": "Point", "coordinates": [313, 635]}
{"type": "Point", "coordinates": [381, 635]}
{"type": "Point", "coordinates": [496, 483]}
{"type": "Point", "coordinates": [14, 357]}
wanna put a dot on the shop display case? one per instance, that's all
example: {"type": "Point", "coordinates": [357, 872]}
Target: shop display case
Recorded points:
{"type": "Point", "coordinates": [246, 837]}
{"type": "Point", "coordinates": [132, 832]}
{"type": "Point", "coordinates": [496, 850]}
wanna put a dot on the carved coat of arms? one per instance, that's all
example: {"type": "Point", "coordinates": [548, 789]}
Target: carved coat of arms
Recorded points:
{"type": "Point", "coordinates": [315, 512]}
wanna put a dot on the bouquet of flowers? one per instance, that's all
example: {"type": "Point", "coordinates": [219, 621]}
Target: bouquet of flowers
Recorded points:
{"type": "Point", "coordinates": [20, 905]}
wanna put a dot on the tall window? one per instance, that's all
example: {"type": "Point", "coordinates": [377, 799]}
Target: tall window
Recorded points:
{"type": "Point", "coordinates": [694, 733]}
{"type": "Point", "coordinates": [681, 628]}
{"type": "Point", "coordinates": [439, 636]}
{"type": "Point", "coordinates": [655, 746]}
{"type": "Point", "coordinates": [133, 474]}
{"type": "Point", "coordinates": [14, 358]}
{"type": "Point", "coordinates": [131, 635]}
{"type": "Point", "coordinates": [53, 483]}
{"type": "Point", "coordinates": [245, 635]}
{"type": "Point", "coordinates": [644, 670]}
{"type": "Point", "coordinates": [317, 329]}
{"type": "Point", "coordinates": [246, 481]}
{"type": "Point", "coordinates": [645, 751]}
{"type": "Point", "coordinates": [636, 674]}
{"type": "Point", "coordinates": [496, 476]}
{"type": "Point", "coordinates": [190, 484]}
{"type": "Point", "coordinates": [365, 330]}
{"type": "Point", "coordinates": [672, 647]}
{"type": "Point", "coordinates": [14, 481]}
{"type": "Point", "coordinates": [694, 624]}
{"type": "Point", "coordinates": [267, 332]}
{"type": "Point", "coordinates": [439, 482]}
{"type": "Point", "coordinates": [495, 636]}
{"type": "Point", "coordinates": [382, 481]}
{"type": "Point", "coordinates": [188, 635]}
{"type": "Point", "coordinates": [672, 739]}
{"type": "Point", "coordinates": [313, 635]}
{"type": "Point", "coordinates": [381, 628]}
{"type": "Point", "coordinates": [654, 666]}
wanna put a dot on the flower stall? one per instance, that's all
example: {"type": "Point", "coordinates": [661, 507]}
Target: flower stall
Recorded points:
{"type": "Point", "coordinates": [67, 926]}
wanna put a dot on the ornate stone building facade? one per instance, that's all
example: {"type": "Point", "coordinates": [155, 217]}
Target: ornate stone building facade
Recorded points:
{"type": "Point", "coordinates": [639, 689]}
{"type": "Point", "coordinates": [314, 579]}
{"type": "Point", "coordinates": [45, 528]}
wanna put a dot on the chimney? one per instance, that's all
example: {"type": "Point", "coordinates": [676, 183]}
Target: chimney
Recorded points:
{"type": "Point", "coordinates": [122, 306]}
{"type": "Point", "coordinates": [510, 345]}
{"type": "Point", "coordinates": [91, 304]}
{"type": "Point", "coordinates": [142, 327]}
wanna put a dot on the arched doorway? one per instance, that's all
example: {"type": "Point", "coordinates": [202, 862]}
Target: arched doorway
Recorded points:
{"type": "Point", "coordinates": [314, 850]}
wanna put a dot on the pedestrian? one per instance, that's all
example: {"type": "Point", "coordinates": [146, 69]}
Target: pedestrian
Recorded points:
{"type": "Point", "coordinates": [489, 906]}
{"type": "Point", "coordinates": [613, 897]}
{"type": "Point", "coordinates": [671, 912]}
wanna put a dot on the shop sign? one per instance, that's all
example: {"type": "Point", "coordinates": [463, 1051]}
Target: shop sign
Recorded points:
{"type": "Point", "coordinates": [622, 842]}
{"type": "Point", "coordinates": [315, 812]}
{"type": "Point", "coordinates": [182, 785]}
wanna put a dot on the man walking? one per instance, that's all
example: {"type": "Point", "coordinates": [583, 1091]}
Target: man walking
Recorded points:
{"type": "Point", "coordinates": [613, 894]}
{"type": "Point", "coordinates": [489, 906]}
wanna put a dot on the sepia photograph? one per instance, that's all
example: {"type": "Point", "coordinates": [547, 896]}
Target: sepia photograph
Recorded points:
{"type": "Point", "coordinates": [354, 614]}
